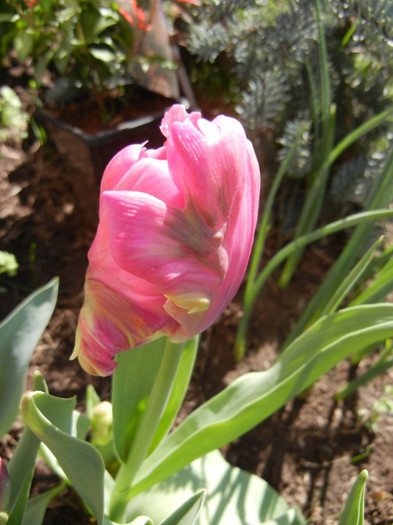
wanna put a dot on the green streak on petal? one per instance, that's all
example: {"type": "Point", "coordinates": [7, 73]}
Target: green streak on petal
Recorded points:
{"type": "Point", "coordinates": [191, 302]}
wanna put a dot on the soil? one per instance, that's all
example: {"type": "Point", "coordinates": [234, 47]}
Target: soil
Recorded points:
{"type": "Point", "coordinates": [307, 450]}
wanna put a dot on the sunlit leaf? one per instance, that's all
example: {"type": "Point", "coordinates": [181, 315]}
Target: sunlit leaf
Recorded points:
{"type": "Point", "coordinates": [51, 419]}
{"type": "Point", "coordinates": [253, 397]}
{"type": "Point", "coordinates": [232, 496]}
{"type": "Point", "coordinates": [353, 513]}
{"type": "Point", "coordinates": [19, 335]}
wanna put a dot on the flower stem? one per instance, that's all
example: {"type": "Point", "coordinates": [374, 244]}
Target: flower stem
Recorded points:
{"type": "Point", "coordinates": [146, 430]}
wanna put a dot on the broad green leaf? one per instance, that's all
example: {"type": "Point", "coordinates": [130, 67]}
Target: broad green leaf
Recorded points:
{"type": "Point", "coordinates": [19, 335]}
{"type": "Point", "coordinates": [50, 418]}
{"type": "Point", "coordinates": [36, 507]}
{"type": "Point", "coordinates": [353, 513]}
{"type": "Point", "coordinates": [232, 496]}
{"type": "Point", "coordinates": [253, 397]}
{"type": "Point", "coordinates": [22, 464]}
{"type": "Point", "coordinates": [76, 426]}
{"type": "Point", "coordinates": [131, 386]}
{"type": "Point", "coordinates": [21, 470]}
{"type": "Point", "coordinates": [188, 512]}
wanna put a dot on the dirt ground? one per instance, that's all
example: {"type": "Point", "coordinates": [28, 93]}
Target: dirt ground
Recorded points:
{"type": "Point", "coordinates": [305, 450]}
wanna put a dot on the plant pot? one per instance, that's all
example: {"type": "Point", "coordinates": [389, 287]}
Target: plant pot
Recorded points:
{"type": "Point", "coordinates": [89, 151]}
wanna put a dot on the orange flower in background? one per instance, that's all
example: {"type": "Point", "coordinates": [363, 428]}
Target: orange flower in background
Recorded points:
{"type": "Point", "coordinates": [137, 17]}
{"type": "Point", "coordinates": [193, 2]}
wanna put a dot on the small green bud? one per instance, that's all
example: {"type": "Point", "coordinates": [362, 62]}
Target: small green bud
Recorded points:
{"type": "Point", "coordinates": [102, 424]}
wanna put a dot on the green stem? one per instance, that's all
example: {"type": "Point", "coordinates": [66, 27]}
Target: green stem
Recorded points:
{"type": "Point", "coordinates": [380, 367]}
{"type": "Point", "coordinates": [146, 430]}
{"type": "Point", "coordinates": [378, 198]}
{"type": "Point", "coordinates": [264, 223]}
{"type": "Point", "coordinates": [320, 172]}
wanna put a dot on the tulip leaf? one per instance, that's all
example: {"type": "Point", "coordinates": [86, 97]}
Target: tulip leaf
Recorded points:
{"type": "Point", "coordinates": [70, 421]}
{"type": "Point", "coordinates": [51, 419]}
{"type": "Point", "coordinates": [188, 512]}
{"type": "Point", "coordinates": [36, 507]}
{"type": "Point", "coordinates": [232, 496]}
{"type": "Point", "coordinates": [253, 397]}
{"type": "Point", "coordinates": [131, 386]}
{"type": "Point", "coordinates": [353, 513]}
{"type": "Point", "coordinates": [350, 280]}
{"type": "Point", "coordinates": [92, 400]}
{"type": "Point", "coordinates": [21, 470]}
{"type": "Point", "coordinates": [19, 335]}
{"type": "Point", "coordinates": [22, 464]}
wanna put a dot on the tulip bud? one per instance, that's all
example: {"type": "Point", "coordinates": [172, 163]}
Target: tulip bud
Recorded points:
{"type": "Point", "coordinates": [174, 238]}
{"type": "Point", "coordinates": [102, 424]}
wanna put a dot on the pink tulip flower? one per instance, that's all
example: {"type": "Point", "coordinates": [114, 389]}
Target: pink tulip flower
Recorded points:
{"type": "Point", "coordinates": [174, 238]}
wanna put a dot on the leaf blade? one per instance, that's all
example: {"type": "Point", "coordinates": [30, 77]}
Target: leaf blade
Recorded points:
{"type": "Point", "coordinates": [79, 460]}
{"type": "Point", "coordinates": [19, 335]}
{"type": "Point", "coordinates": [256, 395]}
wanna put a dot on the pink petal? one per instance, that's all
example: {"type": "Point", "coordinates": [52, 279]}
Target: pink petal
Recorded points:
{"type": "Point", "coordinates": [120, 164]}
{"type": "Point", "coordinates": [151, 176]}
{"type": "Point", "coordinates": [110, 323]}
{"type": "Point", "coordinates": [152, 242]}
{"type": "Point", "coordinates": [207, 163]}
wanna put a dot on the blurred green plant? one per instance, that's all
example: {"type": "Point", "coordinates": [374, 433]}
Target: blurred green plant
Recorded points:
{"type": "Point", "coordinates": [87, 44]}
{"type": "Point", "coordinates": [13, 119]}
{"type": "Point", "coordinates": [353, 513]}
{"type": "Point", "coordinates": [381, 406]}
{"type": "Point", "coordinates": [8, 263]}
